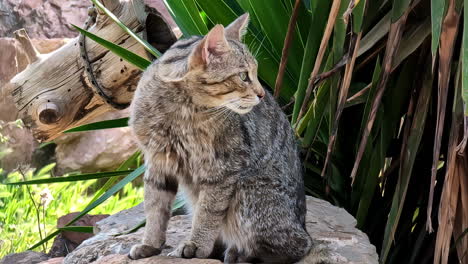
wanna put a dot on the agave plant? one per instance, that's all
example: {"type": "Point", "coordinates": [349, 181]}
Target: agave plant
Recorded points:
{"type": "Point", "coordinates": [377, 94]}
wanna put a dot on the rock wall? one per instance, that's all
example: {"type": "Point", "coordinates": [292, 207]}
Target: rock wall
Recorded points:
{"type": "Point", "coordinates": [42, 18]}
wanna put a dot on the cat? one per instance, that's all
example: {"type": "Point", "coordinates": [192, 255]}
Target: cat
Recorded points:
{"type": "Point", "coordinates": [204, 122]}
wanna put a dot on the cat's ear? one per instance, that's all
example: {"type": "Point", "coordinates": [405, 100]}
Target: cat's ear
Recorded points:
{"type": "Point", "coordinates": [213, 44]}
{"type": "Point", "coordinates": [237, 29]}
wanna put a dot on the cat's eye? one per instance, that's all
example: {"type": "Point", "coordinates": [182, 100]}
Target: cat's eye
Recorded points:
{"type": "Point", "coordinates": [244, 76]}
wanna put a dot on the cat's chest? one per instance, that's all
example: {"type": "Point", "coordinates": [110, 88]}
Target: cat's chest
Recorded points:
{"type": "Point", "coordinates": [194, 145]}
{"type": "Point", "coordinates": [203, 149]}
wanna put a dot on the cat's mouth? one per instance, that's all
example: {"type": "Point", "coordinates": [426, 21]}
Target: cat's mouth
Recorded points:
{"type": "Point", "coordinates": [242, 109]}
{"type": "Point", "coordinates": [243, 106]}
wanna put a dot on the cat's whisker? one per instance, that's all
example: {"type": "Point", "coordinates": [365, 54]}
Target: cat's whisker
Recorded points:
{"type": "Point", "coordinates": [222, 105]}
{"type": "Point", "coordinates": [220, 113]}
{"type": "Point", "coordinates": [227, 116]}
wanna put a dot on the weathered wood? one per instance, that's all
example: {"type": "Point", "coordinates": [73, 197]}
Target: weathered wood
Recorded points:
{"type": "Point", "coordinates": [54, 93]}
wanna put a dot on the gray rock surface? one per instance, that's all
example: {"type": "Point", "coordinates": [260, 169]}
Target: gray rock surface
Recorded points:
{"type": "Point", "coordinates": [58, 260]}
{"type": "Point", "coordinates": [27, 257]}
{"type": "Point", "coordinates": [337, 239]}
{"type": "Point", "coordinates": [42, 18]}
{"type": "Point", "coordinates": [17, 147]}
{"type": "Point", "coordinates": [123, 259]}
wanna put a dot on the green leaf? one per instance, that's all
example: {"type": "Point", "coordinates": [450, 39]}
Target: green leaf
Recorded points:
{"type": "Point", "coordinates": [44, 240]}
{"type": "Point", "coordinates": [133, 229]}
{"type": "Point", "coordinates": [226, 11]}
{"type": "Point", "coordinates": [43, 145]}
{"type": "Point", "coordinates": [407, 163]}
{"type": "Point", "coordinates": [125, 54]}
{"type": "Point", "coordinates": [375, 34]}
{"type": "Point", "coordinates": [399, 8]}
{"type": "Point", "coordinates": [437, 15]}
{"type": "Point", "coordinates": [124, 166]}
{"type": "Point", "coordinates": [307, 3]}
{"type": "Point", "coordinates": [411, 41]}
{"type": "Point", "coordinates": [179, 202]}
{"type": "Point", "coordinates": [130, 177]}
{"type": "Point", "coordinates": [114, 123]}
{"type": "Point", "coordinates": [275, 29]}
{"type": "Point", "coordinates": [318, 22]}
{"type": "Point", "coordinates": [143, 42]}
{"type": "Point", "coordinates": [187, 16]}
{"type": "Point", "coordinates": [74, 178]}
{"type": "Point", "coordinates": [116, 188]}
{"type": "Point", "coordinates": [45, 170]}
{"type": "Point", "coordinates": [81, 229]}
{"type": "Point", "coordinates": [315, 115]}
{"type": "Point", "coordinates": [358, 16]}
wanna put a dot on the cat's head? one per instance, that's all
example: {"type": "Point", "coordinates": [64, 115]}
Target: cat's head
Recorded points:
{"type": "Point", "coordinates": [222, 72]}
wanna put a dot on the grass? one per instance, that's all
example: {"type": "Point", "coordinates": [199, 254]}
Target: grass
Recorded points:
{"type": "Point", "coordinates": [19, 223]}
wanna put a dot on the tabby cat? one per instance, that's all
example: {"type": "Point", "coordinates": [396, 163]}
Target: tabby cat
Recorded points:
{"type": "Point", "coordinates": [204, 122]}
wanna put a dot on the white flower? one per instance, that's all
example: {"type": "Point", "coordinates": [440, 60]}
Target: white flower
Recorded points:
{"type": "Point", "coordinates": [46, 197]}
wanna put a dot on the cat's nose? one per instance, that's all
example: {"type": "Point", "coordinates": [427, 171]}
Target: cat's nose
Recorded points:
{"type": "Point", "coordinates": [261, 94]}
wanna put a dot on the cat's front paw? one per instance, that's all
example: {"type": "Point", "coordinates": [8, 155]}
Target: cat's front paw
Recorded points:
{"type": "Point", "coordinates": [232, 255]}
{"type": "Point", "coordinates": [143, 251]}
{"type": "Point", "coordinates": [189, 249]}
{"type": "Point", "coordinates": [185, 249]}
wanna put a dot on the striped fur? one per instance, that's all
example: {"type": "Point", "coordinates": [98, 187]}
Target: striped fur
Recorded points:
{"type": "Point", "coordinates": [205, 124]}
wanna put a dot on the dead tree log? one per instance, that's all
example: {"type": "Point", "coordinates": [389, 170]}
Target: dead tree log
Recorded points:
{"type": "Point", "coordinates": [54, 93]}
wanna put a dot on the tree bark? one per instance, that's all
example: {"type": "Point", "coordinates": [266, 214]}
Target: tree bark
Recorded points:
{"type": "Point", "coordinates": [54, 93]}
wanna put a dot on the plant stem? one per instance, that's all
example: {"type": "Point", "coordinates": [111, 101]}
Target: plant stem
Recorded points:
{"type": "Point", "coordinates": [35, 208]}
{"type": "Point", "coordinates": [285, 52]}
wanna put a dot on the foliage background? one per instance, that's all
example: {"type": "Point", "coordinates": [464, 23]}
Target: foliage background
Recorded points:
{"type": "Point", "coordinates": [374, 90]}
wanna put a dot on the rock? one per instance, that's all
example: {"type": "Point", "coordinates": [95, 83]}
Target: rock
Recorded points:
{"type": "Point", "coordinates": [121, 222]}
{"type": "Point", "coordinates": [159, 5]}
{"type": "Point", "coordinates": [27, 257]}
{"type": "Point", "coordinates": [105, 242]}
{"type": "Point", "coordinates": [67, 241]}
{"type": "Point", "coordinates": [98, 150]}
{"type": "Point", "coordinates": [13, 59]}
{"type": "Point", "coordinates": [123, 259]}
{"type": "Point", "coordinates": [336, 234]}
{"type": "Point", "coordinates": [337, 239]}
{"type": "Point", "coordinates": [17, 149]}
{"type": "Point", "coordinates": [86, 220]}
{"type": "Point", "coordinates": [61, 247]}
{"type": "Point", "coordinates": [53, 261]}
{"type": "Point", "coordinates": [42, 18]}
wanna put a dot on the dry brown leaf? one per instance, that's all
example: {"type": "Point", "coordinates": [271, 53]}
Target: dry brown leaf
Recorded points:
{"type": "Point", "coordinates": [461, 217]}
{"type": "Point", "coordinates": [447, 41]}
{"type": "Point", "coordinates": [318, 61]}
{"type": "Point", "coordinates": [342, 98]}
{"type": "Point", "coordinates": [394, 36]}
{"type": "Point", "coordinates": [285, 52]}
{"type": "Point", "coordinates": [453, 215]}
